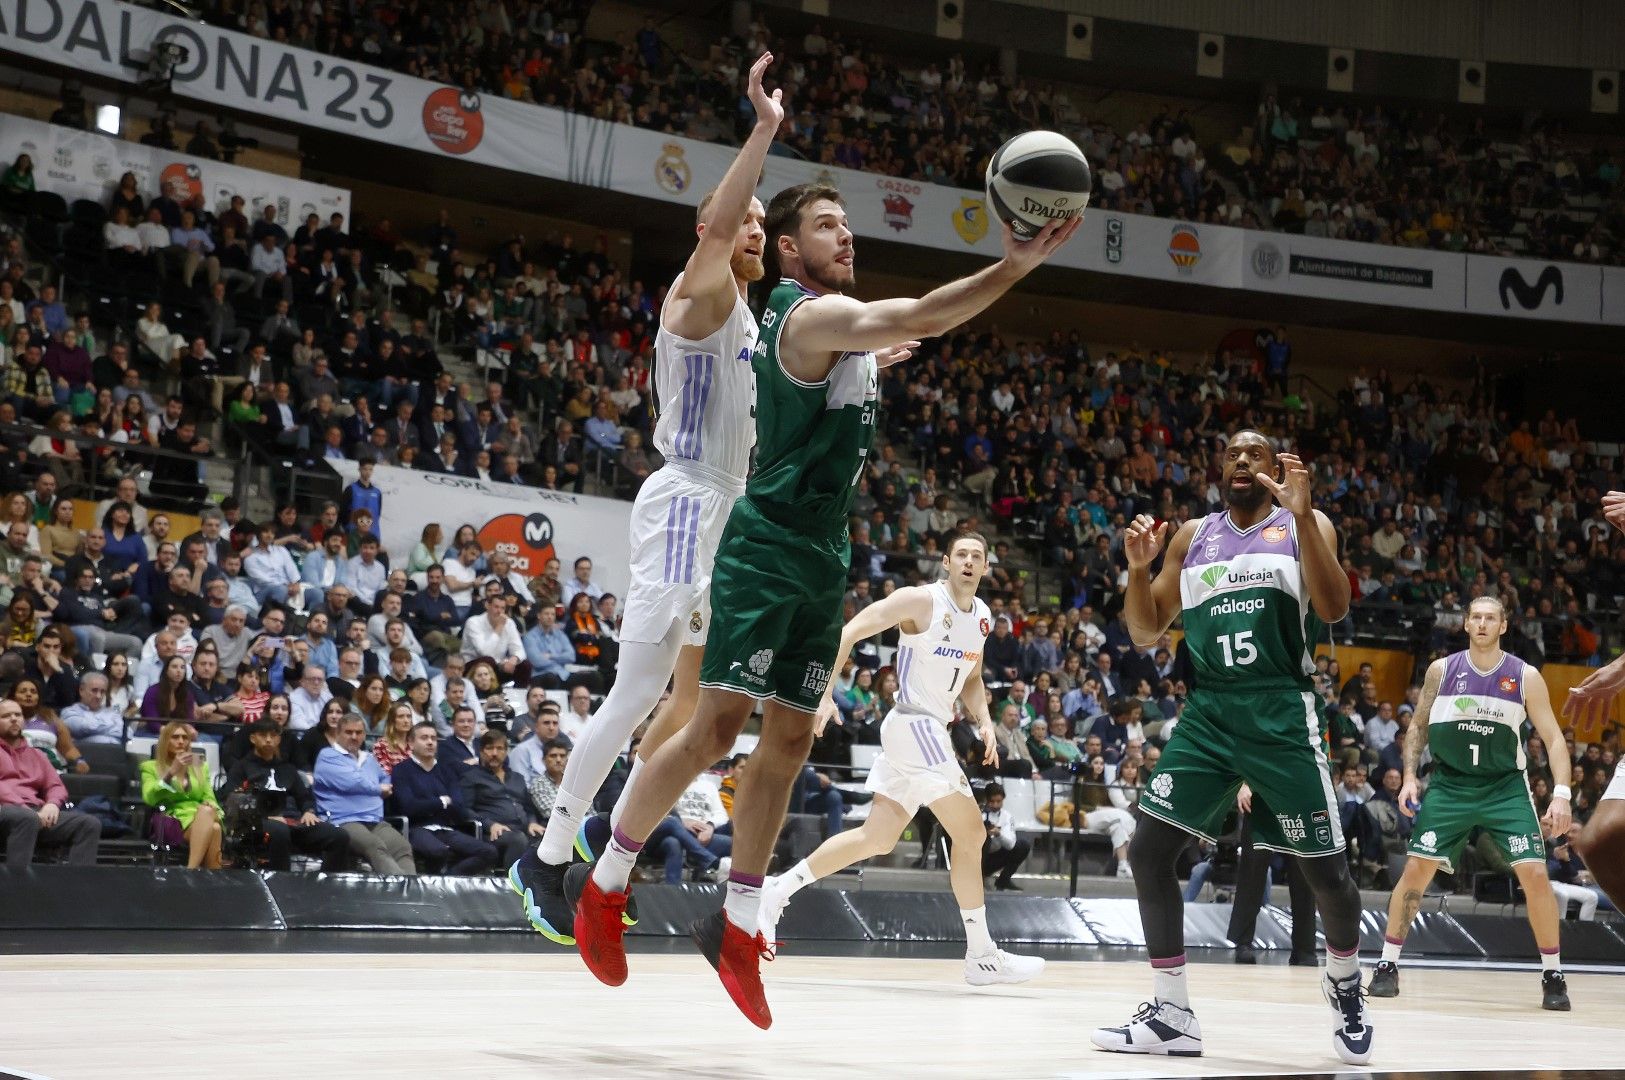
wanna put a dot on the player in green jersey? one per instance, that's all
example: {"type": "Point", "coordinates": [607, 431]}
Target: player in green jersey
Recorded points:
{"type": "Point", "coordinates": [1471, 713]}
{"type": "Point", "coordinates": [782, 565]}
{"type": "Point", "coordinates": [1253, 584]}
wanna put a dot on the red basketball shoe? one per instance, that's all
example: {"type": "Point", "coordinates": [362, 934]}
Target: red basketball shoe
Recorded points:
{"type": "Point", "coordinates": [737, 957]}
{"type": "Point", "coordinates": [599, 924]}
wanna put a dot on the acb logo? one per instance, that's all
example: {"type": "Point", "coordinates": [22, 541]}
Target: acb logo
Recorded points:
{"type": "Point", "coordinates": [527, 540]}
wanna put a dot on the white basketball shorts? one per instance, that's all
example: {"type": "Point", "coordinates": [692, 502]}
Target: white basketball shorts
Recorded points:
{"type": "Point", "coordinates": [677, 522]}
{"type": "Point", "coordinates": [1616, 786]}
{"type": "Point", "coordinates": [916, 765]}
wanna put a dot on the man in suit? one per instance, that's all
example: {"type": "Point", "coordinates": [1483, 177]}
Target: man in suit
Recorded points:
{"type": "Point", "coordinates": [436, 425]}
{"type": "Point", "coordinates": [429, 792]}
{"type": "Point", "coordinates": [280, 330]}
{"type": "Point", "coordinates": [282, 426]}
{"type": "Point", "coordinates": [211, 534]}
{"type": "Point", "coordinates": [220, 323]}
{"type": "Point", "coordinates": [448, 459]}
{"type": "Point", "coordinates": [403, 430]}
{"type": "Point", "coordinates": [1111, 683]}
{"type": "Point", "coordinates": [563, 452]}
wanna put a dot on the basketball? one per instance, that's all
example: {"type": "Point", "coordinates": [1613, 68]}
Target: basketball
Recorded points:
{"type": "Point", "coordinates": [1035, 178]}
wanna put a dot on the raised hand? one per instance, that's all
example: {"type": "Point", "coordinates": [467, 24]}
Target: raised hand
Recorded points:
{"type": "Point", "coordinates": [895, 354]}
{"type": "Point", "coordinates": [1590, 700]}
{"type": "Point", "coordinates": [1143, 540]}
{"type": "Point", "coordinates": [1025, 255]}
{"type": "Point", "coordinates": [1613, 508]}
{"type": "Point", "coordinates": [769, 107]}
{"type": "Point", "coordinates": [1294, 492]}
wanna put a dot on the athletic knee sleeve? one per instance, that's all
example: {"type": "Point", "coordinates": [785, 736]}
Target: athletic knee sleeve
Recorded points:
{"type": "Point", "coordinates": [1337, 897]}
{"type": "Point", "coordinates": [1153, 853]}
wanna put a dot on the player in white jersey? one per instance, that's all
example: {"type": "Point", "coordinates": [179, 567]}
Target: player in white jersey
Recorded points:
{"type": "Point", "coordinates": [939, 660]}
{"type": "Point", "coordinates": [706, 396]}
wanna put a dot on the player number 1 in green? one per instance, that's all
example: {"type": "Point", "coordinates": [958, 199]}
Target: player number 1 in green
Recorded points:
{"type": "Point", "coordinates": [1238, 648]}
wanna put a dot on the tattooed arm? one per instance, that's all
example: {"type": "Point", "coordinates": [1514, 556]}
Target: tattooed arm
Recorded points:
{"type": "Point", "coordinates": [1416, 738]}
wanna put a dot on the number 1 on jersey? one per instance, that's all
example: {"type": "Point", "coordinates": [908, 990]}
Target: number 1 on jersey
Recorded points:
{"type": "Point", "coordinates": [953, 682]}
{"type": "Point", "coordinates": [1245, 651]}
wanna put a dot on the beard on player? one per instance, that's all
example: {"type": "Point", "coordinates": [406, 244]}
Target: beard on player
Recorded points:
{"type": "Point", "coordinates": [832, 272]}
{"type": "Point", "coordinates": [1242, 491]}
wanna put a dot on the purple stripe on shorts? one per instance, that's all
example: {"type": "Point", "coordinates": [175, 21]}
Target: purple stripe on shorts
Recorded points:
{"type": "Point", "coordinates": [928, 750]}
{"type": "Point", "coordinates": [692, 537]}
{"type": "Point", "coordinates": [671, 540]}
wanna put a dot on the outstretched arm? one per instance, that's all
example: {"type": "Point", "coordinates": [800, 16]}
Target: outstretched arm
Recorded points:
{"type": "Point", "coordinates": [1416, 737]}
{"type": "Point", "coordinates": [706, 292]}
{"type": "Point", "coordinates": [1329, 588]}
{"type": "Point", "coordinates": [834, 323]}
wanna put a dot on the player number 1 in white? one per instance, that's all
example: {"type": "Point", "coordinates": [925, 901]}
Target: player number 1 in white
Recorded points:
{"type": "Point", "coordinates": [1473, 748]}
{"type": "Point", "coordinates": [1238, 648]}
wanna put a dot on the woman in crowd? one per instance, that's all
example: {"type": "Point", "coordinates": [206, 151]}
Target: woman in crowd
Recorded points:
{"type": "Point", "coordinates": [125, 548]}
{"type": "Point", "coordinates": [59, 541]}
{"type": "Point", "coordinates": [132, 421]}
{"type": "Point", "coordinates": [416, 697]}
{"type": "Point", "coordinates": [423, 552]}
{"type": "Point", "coordinates": [323, 734]}
{"type": "Point", "coordinates": [44, 730]}
{"type": "Point", "coordinates": [170, 698]}
{"type": "Point", "coordinates": [19, 509]}
{"type": "Point", "coordinates": [244, 406]}
{"type": "Point", "coordinates": [1125, 794]}
{"type": "Point", "coordinates": [127, 197]}
{"type": "Point", "coordinates": [392, 749]}
{"type": "Point", "coordinates": [372, 701]}
{"type": "Point", "coordinates": [488, 688]}
{"type": "Point", "coordinates": [176, 782]}
{"type": "Point", "coordinates": [19, 179]}
{"type": "Point", "coordinates": [121, 685]}
{"type": "Point", "coordinates": [594, 647]}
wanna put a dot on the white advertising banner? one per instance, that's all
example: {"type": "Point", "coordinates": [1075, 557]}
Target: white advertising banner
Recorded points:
{"type": "Point", "coordinates": [1345, 270]}
{"type": "Point", "coordinates": [529, 524]}
{"type": "Point", "coordinates": [234, 70]}
{"type": "Point", "coordinates": [88, 164]}
{"type": "Point", "coordinates": [1535, 289]}
{"type": "Point", "coordinates": [1613, 296]}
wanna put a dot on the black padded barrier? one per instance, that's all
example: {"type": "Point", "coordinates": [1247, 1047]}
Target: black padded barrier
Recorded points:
{"type": "Point", "coordinates": [909, 916]}
{"type": "Point", "coordinates": [1034, 920]}
{"type": "Point", "coordinates": [1509, 938]}
{"type": "Point", "coordinates": [1432, 933]}
{"type": "Point", "coordinates": [124, 898]}
{"type": "Point", "coordinates": [365, 902]}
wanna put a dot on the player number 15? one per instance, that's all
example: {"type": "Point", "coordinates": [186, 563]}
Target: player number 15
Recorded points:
{"type": "Point", "coordinates": [1238, 648]}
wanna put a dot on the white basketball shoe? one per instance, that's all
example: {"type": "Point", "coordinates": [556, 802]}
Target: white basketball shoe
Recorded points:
{"type": "Point", "coordinates": [1351, 1029]}
{"type": "Point", "coordinates": [999, 966]}
{"type": "Point", "coordinates": [1160, 1027]}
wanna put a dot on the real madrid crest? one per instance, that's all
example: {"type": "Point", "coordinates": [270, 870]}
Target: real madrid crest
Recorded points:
{"type": "Point", "coordinates": [695, 622]}
{"type": "Point", "coordinates": [672, 171]}
{"type": "Point", "coordinates": [947, 620]}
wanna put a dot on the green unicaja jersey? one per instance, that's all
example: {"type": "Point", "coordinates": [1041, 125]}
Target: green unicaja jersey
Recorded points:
{"type": "Point", "coordinates": [1475, 728]}
{"type": "Point", "coordinates": [1248, 623]}
{"type": "Point", "coordinates": [812, 439]}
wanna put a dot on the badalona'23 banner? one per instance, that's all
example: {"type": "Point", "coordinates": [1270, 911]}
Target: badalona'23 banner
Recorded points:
{"type": "Point", "coordinates": [529, 524]}
{"type": "Point", "coordinates": [238, 71]}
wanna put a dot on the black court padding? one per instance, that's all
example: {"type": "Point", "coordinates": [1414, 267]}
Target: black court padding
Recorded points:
{"type": "Point", "coordinates": [1433, 933]}
{"type": "Point", "coordinates": [1112, 920]}
{"type": "Point", "coordinates": [820, 915]}
{"type": "Point", "coordinates": [119, 897]}
{"type": "Point", "coordinates": [363, 902]}
{"type": "Point", "coordinates": [1506, 938]}
{"type": "Point", "coordinates": [1274, 929]}
{"type": "Point", "coordinates": [669, 910]}
{"type": "Point", "coordinates": [908, 916]}
{"type": "Point", "coordinates": [1035, 920]}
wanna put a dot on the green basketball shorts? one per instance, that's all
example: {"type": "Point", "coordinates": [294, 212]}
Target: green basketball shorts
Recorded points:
{"type": "Point", "coordinates": [1270, 738]}
{"type": "Point", "coordinates": [776, 605]}
{"type": "Point", "coordinates": [1453, 806]}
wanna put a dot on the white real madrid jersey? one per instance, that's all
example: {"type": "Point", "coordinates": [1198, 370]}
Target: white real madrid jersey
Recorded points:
{"type": "Point", "coordinates": [932, 665]}
{"type": "Point", "coordinates": [706, 394]}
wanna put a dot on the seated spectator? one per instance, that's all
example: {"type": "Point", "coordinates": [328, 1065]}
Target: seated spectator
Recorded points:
{"type": "Point", "coordinates": [1100, 815]}
{"type": "Point", "coordinates": [91, 720]}
{"type": "Point", "coordinates": [429, 792]}
{"type": "Point", "coordinates": [496, 796]}
{"type": "Point", "coordinates": [494, 636]}
{"type": "Point", "coordinates": [170, 698]}
{"type": "Point", "coordinates": [461, 748]}
{"type": "Point", "coordinates": [100, 624]}
{"type": "Point", "coordinates": [308, 698]}
{"type": "Point", "coordinates": [394, 745]}
{"type": "Point", "coordinates": [32, 798]}
{"type": "Point", "coordinates": [1004, 851]}
{"type": "Point", "coordinates": [548, 649]}
{"type": "Point", "coordinates": [544, 785]}
{"type": "Point", "coordinates": [176, 782]}
{"type": "Point", "coordinates": [291, 822]}
{"type": "Point", "coordinates": [42, 727]}
{"type": "Point", "coordinates": [318, 738]}
{"type": "Point", "coordinates": [271, 570]}
{"type": "Point", "coordinates": [350, 788]}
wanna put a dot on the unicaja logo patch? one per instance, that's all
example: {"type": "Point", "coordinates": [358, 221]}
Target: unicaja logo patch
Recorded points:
{"type": "Point", "coordinates": [1213, 574]}
{"type": "Point", "coordinates": [1465, 704]}
{"type": "Point", "coordinates": [1428, 840]}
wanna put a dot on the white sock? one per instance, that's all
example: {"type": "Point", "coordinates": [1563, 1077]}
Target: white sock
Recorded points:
{"type": "Point", "coordinates": [1551, 961]}
{"type": "Point", "coordinates": [1341, 965]}
{"type": "Point", "coordinates": [743, 904]}
{"type": "Point", "coordinates": [1168, 982]}
{"type": "Point", "coordinates": [614, 868]}
{"type": "Point", "coordinates": [626, 791]}
{"type": "Point", "coordinates": [798, 877]}
{"type": "Point", "coordinates": [978, 942]}
{"type": "Point", "coordinates": [569, 811]}
{"type": "Point", "coordinates": [1390, 950]}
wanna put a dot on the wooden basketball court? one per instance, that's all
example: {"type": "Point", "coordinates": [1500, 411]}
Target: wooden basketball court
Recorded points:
{"type": "Point", "coordinates": [541, 1015]}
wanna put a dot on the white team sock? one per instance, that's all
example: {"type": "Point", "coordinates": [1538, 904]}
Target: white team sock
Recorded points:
{"type": "Point", "coordinates": [798, 877]}
{"type": "Point", "coordinates": [568, 813]}
{"type": "Point", "coordinates": [1551, 961]}
{"type": "Point", "coordinates": [1168, 981]}
{"type": "Point", "coordinates": [626, 791]}
{"type": "Point", "coordinates": [978, 942]}
{"type": "Point", "coordinates": [743, 904]}
{"type": "Point", "coordinates": [1390, 950]}
{"type": "Point", "coordinates": [1342, 965]}
{"type": "Point", "coordinates": [614, 868]}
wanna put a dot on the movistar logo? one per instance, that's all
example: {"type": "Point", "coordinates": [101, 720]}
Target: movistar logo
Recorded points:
{"type": "Point", "coordinates": [1211, 576]}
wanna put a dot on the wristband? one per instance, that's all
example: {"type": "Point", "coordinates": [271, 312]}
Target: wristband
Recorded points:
{"type": "Point", "coordinates": [1561, 791]}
